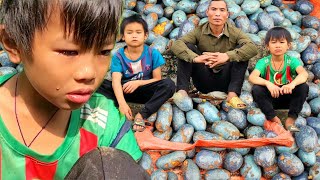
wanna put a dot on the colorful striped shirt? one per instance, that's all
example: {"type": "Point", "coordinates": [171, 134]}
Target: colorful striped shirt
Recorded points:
{"type": "Point", "coordinates": [95, 124]}
{"type": "Point", "coordinates": [281, 77]}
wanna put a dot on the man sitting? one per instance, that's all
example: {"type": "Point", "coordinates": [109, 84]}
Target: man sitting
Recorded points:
{"type": "Point", "coordinates": [209, 55]}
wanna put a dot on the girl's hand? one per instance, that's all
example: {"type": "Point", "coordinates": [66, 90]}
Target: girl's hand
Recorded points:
{"type": "Point", "coordinates": [287, 89]}
{"type": "Point", "coordinates": [131, 86]}
{"type": "Point", "coordinates": [274, 90]}
{"type": "Point", "coordinates": [125, 109]}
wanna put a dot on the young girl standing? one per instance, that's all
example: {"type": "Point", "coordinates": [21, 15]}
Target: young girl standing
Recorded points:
{"type": "Point", "coordinates": [136, 74]}
{"type": "Point", "coordinates": [279, 80]}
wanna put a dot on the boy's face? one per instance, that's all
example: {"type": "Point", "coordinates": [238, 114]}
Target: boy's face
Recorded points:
{"type": "Point", "coordinates": [59, 71]}
{"type": "Point", "coordinates": [278, 47]}
{"type": "Point", "coordinates": [217, 13]}
{"type": "Point", "coordinates": [134, 34]}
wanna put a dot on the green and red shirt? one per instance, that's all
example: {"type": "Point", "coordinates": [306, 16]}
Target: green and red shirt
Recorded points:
{"type": "Point", "coordinates": [96, 124]}
{"type": "Point", "coordinates": [284, 76]}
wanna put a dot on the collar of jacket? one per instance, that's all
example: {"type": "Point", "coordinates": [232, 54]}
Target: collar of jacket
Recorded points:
{"type": "Point", "coordinates": [207, 30]}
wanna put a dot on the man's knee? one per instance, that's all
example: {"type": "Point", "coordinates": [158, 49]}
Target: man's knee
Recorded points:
{"type": "Point", "coordinates": [240, 65]}
{"type": "Point", "coordinates": [193, 48]}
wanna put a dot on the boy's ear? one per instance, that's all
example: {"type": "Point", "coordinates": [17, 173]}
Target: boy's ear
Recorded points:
{"type": "Point", "coordinates": [146, 36]}
{"type": "Point", "coordinates": [10, 47]}
{"type": "Point", "coordinates": [289, 45]}
{"type": "Point", "coordinates": [122, 37]}
{"type": "Point", "coordinates": [118, 37]}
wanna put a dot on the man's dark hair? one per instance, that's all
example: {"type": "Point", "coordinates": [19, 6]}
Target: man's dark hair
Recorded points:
{"type": "Point", "coordinates": [93, 23]}
{"type": "Point", "coordinates": [277, 33]}
{"type": "Point", "coordinates": [136, 18]}
{"type": "Point", "coordinates": [218, 0]}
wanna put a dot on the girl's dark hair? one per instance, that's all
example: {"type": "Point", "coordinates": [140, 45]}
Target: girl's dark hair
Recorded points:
{"type": "Point", "coordinates": [132, 19]}
{"type": "Point", "coordinates": [277, 33]}
{"type": "Point", "coordinates": [93, 23]}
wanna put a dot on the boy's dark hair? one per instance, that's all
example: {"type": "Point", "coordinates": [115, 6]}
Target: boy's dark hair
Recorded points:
{"type": "Point", "coordinates": [132, 19]}
{"type": "Point", "coordinates": [277, 33]}
{"type": "Point", "coordinates": [92, 22]}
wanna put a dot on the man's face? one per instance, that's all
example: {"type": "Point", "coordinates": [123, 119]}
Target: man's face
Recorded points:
{"type": "Point", "coordinates": [217, 13]}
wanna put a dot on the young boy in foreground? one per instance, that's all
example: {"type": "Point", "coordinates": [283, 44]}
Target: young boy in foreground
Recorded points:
{"type": "Point", "coordinates": [50, 113]}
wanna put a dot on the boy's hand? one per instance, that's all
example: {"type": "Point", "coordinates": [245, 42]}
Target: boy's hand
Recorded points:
{"type": "Point", "coordinates": [131, 86]}
{"type": "Point", "coordinates": [287, 89]}
{"type": "Point", "coordinates": [274, 89]}
{"type": "Point", "coordinates": [125, 109]}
